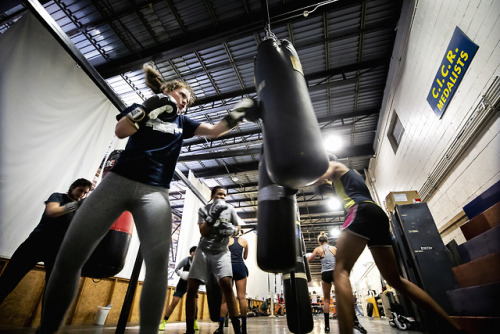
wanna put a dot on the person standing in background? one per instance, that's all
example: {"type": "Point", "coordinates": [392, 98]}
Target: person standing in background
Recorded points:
{"type": "Point", "coordinates": [217, 222]}
{"type": "Point", "coordinates": [182, 270]}
{"type": "Point", "coordinates": [238, 247]}
{"type": "Point", "coordinates": [326, 253]}
{"type": "Point", "coordinates": [44, 241]}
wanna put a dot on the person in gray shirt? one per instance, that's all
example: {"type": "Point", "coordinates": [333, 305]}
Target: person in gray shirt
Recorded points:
{"type": "Point", "coordinates": [182, 269]}
{"type": "Point", "coordinates": [217, 222]}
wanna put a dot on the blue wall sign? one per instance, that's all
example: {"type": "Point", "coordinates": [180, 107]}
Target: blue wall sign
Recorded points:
{"type": "Point", "coordinates": [456, 60]}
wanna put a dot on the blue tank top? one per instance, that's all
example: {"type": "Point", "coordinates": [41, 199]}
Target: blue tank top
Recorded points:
{"type": "Point", "coordinates": [328, 261]}
{"type": "Point", "coordinates": [236, 252]}
{"type": "Point", "coordinates": [352, 189]}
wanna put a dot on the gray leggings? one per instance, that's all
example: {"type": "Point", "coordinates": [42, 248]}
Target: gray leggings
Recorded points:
{"type": "Point", "coordinates": [150, 208]}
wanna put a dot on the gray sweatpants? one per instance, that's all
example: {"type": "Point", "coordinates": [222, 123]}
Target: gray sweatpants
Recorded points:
{"type": "Point", "coordinates": [150, 208]}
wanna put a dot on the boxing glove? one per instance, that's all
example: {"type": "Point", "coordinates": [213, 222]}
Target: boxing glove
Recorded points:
{"type": "Point", "coordinates": [214, 211]}
{"type": "Point", "coordinates": [71, 206]}
{"type": "Point", "coordinates": [246, 109]}
{"type": "Point", "coordinates": [227, 229]}
{"type": "Point", "coordinates": [152, 108]}
{"type": "Point", "coordinates": [183, 275]}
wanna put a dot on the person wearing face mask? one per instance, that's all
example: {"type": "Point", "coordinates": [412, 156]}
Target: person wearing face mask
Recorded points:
{"type": "Point", "coordinates": [44, 241]}
{"type": "Point", "coordinates": [138, 182]}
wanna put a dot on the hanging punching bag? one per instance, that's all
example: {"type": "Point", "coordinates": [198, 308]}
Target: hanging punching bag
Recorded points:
{"type": "Point", "coordinates": [295, 152]}
{"type": "Point", "coordinates": [108, 259]}
{"type": "Point", "coordinates": [298, 304]}
{"type": "Point", "coordinates": [276, 215]}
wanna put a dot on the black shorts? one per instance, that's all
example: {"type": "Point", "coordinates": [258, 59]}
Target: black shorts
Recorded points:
{"type": "Point", "coordinates": [181, 288]}
{"type": "Point", "coordinates": [240, 271]}
{"type": "Point", "coordinates": [370, 222]}
{"type": "Point", "coordinates": [327, 276]}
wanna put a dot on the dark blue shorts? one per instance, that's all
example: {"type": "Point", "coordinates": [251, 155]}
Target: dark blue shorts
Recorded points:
{"type": "Point", "coordinates": [370, 222]}
{"type": "Point", "coordinates": [240, 271]}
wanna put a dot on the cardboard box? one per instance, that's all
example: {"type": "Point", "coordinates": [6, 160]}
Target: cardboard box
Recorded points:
{"type": "Point", "coordinates": [401, 198]}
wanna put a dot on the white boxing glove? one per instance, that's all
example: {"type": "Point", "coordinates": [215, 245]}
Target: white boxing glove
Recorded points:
{"type": "Point", "coordinates": [183, 275]}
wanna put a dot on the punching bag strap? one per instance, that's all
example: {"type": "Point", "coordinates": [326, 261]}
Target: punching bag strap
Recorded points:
{"type": "Point", "coordinates": [267, 21]}
{"type": "Point", "coordinates": [103, 162]}
{"type": "Point", "coordinates": [297, 275]}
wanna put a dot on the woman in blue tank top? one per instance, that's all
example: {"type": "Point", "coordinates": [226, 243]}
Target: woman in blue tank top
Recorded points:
{"type": "Point", "coordinates": [238, 247]}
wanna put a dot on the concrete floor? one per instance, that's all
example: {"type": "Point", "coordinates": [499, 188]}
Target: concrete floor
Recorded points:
{"type": "Point", "coordinates": [258, 325]}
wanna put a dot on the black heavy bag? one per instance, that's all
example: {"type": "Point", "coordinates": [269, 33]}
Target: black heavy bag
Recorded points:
{"type": "Point", "coordinates": [214, 298]}
{"type": "Point", "coordinates": [295, 151]}
{"type": "Point", "coordinates": [298, 304]}
{"type": "Point", "coordinates": [276, 216]}
{"type": "Point", "coordinates": [108, 259]}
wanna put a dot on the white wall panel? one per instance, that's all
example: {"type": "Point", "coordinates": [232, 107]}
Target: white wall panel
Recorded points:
{"type": "Point", "coordinates": [426, 136]}
{"type": "Point", "coordinates": [55, 126]}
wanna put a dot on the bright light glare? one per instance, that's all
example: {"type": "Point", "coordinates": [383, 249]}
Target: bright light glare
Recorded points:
{"type": "Point", "coordinates": [335, 233]}
{"type": "Point", "coordinates": [334, 203]}
{"type": "Point", "coordinates": [333, 144]}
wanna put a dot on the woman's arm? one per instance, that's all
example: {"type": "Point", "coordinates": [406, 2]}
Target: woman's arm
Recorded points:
{"type": "Point", "coordinates": [125, 128]}
{"type": "Point", "coordinates": [55, 209]}
{"type": "Point", "coordinates": [212, 131]}
{"type": "Point", "coordinates": [204, 229]}
{"type": "Point", "coordinates": [245, 247]}
{"type": "Point", "coordinates": [313, 255]}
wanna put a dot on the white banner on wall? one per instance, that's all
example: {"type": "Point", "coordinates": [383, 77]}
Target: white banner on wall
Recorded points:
{"type": "Point", "coordinates": [189, 235]}
{"type": "Point", "coordinates": [55, 126]}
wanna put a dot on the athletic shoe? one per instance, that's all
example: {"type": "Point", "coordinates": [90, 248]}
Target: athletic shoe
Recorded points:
{"type": "Point", "coordinates": [360, 328]}
{"type": "Point", "coordinates": [162, 325]}
{"type": "Point", "coordinates": [327, 329]}
{"type": "Point", "coordinates": [196, 326]}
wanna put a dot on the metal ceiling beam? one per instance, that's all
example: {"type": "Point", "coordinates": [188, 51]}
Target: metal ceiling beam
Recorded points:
{"type": "Point", "coordinates": [305, 198]}
{"type": "Point", "coordinates": [349, 152]}
{"type": "Point", "coordinates": [219, 155]}
{"type": "Point", "coordinates": [355, 67]}
{"type": "Point", "coordinates": [249, 59]}
{"type": "Point", "coordinates": [240, 26]}
{"type": "Point", "coordinates": [314, 210]}
{"type": "Point", "coordinates": [235, 134]}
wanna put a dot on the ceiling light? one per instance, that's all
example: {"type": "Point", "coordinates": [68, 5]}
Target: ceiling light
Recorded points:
{"type": "Point", "coordinates": [334, 233]}
{"type": "Point", "coordinates": [334, 144]}
{"type": "Point", "coordinates": [334, 204]}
